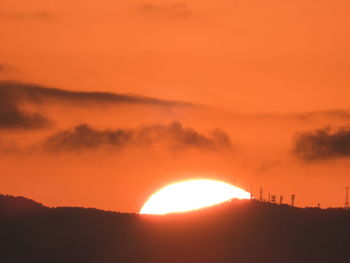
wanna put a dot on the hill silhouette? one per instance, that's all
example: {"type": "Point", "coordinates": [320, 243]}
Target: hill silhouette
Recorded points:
{"type": "Point", "coordinates": [239, 231]}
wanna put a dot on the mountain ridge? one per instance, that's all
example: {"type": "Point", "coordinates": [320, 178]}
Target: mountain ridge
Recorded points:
{"type": "Point", "coordinates": [243, 231]}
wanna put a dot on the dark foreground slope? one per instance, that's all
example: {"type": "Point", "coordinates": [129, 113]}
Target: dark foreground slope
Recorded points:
{"type": "Point", "coordinates": [240, 231]}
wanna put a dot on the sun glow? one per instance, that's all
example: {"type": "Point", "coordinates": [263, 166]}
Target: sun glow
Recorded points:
{"type": "Point", "coordinates": [191, 195]}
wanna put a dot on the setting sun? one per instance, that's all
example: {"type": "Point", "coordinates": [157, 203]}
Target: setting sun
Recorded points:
{"type": "Point", "coordinates": [191, 195]}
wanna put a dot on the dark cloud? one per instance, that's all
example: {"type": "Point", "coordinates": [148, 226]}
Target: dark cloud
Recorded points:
{"type": "Point", "coordinates": [40, 16]}
{"type": "Point", "coordinates": [176, 10]}
{"type": "Point", "coordinates": [20, 92]}
{"type": "Point", "coordinates": [11, 116]}
{"type": "Point", "coordinates": [173, 136]}
{"type": "Point", "coordinates": [322, 144]}
{"type": "Point", "coordinates": [14, 95]}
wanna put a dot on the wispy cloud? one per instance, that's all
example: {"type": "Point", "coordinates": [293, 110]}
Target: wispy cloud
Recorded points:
{"type": "Point", "coordinates": [176, 10]}
{"type": "Point", "coordinates": [4, 67]}
{"type": "Point", "coordinates": [39, 16]}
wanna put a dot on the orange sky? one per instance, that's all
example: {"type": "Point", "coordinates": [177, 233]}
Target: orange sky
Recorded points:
{"type": "Point", "coordinates": [259, 71]}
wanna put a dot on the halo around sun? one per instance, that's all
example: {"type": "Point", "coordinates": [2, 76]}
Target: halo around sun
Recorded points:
{"type": "Point", "coordinates": [191, 195]}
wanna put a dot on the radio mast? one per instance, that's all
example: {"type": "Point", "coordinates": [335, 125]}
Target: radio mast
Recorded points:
{"type": "Point", "coordinates": [292, 199]}
{"type": "Point", "coordinates": [346, 197]}
{"type": "Point", "coordinates": [261, 194]}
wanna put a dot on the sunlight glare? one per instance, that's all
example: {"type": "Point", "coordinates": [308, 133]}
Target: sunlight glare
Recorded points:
{"type": "Point", "coordinates": [191, 195]}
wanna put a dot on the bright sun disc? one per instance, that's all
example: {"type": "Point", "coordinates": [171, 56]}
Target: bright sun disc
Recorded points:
{"type": "Point", "coordinates": [191, 195]}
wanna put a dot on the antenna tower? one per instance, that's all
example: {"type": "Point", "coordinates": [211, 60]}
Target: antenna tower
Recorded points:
{"type": "Point", "coordinates": [347, 197]}
{"type": "Point", "coordinates": [261, 194]}
{"type": "Point", "coordinates": [292, 200]}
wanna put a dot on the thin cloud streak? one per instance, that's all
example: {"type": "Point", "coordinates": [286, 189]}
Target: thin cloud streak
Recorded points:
{"type": "Point", "coordinates": [13, 96]}
{"type": "Point", "coordinates": [39, 94]}
{"type": "Point", "coordinates": [176, 10]}
{"type": "Point", "coordinates": [39, 16]}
